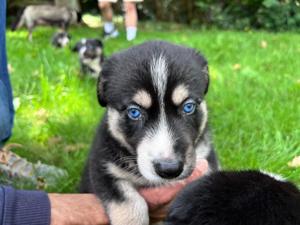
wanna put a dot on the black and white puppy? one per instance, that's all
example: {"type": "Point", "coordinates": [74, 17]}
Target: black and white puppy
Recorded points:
{"type": "Point", "coordinates": [34, 15]}
{"type": "Point", "coordinates": [91, 57]}
{"type": "Point", "coordinates": [237, 198]}
{"type": "Point", "coordinates": [154, 130]}
{"type": "Point", "coordinates": [61, 39]}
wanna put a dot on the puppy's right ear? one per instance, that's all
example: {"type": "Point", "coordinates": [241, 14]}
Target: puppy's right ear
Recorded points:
{"type": "Point", "coordinates": [101, 91]}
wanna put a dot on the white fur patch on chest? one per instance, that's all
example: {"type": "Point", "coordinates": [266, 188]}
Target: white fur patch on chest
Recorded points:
{"type": "Point", "coordinates": [132, 211]}
{"type": "Point", "coordinates": [94, 64]}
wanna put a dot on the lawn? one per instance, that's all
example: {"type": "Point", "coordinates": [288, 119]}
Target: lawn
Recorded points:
{"type": "Point", "coordinates": [254, 97]}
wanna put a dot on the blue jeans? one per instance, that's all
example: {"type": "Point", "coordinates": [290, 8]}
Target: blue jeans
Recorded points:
{"type": "Point", "coordinates": [5, 116]}
{"type": "Point", "coordinates": [6, 99]}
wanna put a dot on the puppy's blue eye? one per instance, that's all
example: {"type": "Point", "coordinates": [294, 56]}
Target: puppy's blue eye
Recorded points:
{"type": "Point", "coordinates": [189, 107]}
{"type": "Point", "coordinates": [134, 113]}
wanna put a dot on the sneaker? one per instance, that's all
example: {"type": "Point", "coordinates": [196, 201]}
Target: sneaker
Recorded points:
{"type": "Point", "coordinates": [113, 34]}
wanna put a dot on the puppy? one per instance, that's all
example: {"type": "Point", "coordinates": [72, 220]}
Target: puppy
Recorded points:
{"type": "Point", "coordinates": [154, 130]}
{"type": "Point", "coordinates": [91, 56]}
{"type": "Point", "coordinates": [34, 15]}
{"type": "Point", "coordinates": [60, 39]}
{"type": "Point", "coordinates": [237, 198]}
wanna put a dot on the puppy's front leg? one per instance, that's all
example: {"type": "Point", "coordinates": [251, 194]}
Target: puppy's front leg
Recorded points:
{"type": "Point", "coordinates": [132, 210]}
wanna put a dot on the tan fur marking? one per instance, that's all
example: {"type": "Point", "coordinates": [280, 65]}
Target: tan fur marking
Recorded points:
{"type": "Point", "coordinates": [179, 94]}
{"type": "Point", "coordinates": [203, 107]}
{"type": "Point", "coordinates": [143, 99]}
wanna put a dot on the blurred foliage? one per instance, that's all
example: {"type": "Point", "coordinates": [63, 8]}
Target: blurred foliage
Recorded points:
{"type": "Point", "coordinates": [276, 15]}
{"type": "Point", "coordinates": [242, 14]}
{"type": "Point", "coordinates": [273, 15]}
{"type": "Point", "coordinates": [22, 3]}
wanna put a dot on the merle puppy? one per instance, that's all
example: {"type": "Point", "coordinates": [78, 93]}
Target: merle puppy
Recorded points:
{"type": "Point", "coordinates": [61, 39]}
{"type": "Point", "coordinates": [91, 57]}
{"type": "Point", "coordinates": [34, 15]}
{"type": "Point", "coordinates": [237, 198]}
{"type": "Point", "coordinates": [154, 130]}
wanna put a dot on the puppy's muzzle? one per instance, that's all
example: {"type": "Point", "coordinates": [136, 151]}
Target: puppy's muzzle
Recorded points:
{"type": "Point", "coordinates": [168, 168]}
{"type": "Point", "coordinates": [90, 54]}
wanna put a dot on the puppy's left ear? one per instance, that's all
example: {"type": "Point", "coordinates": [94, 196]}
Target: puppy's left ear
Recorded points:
{"type": "Point", "coordinates": [101, 93]}
{"type": "Point", "coordinates": [77, 46]}
{"type": "Point", "coordinates": [99, 42]}
{"type": "Point", "coordinates": [202, 63]}
{"type": "Point", "coordinates": [206, 73]}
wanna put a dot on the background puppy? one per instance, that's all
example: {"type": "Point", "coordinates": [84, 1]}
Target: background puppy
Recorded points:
{"type": "Point", "coordinates": [34, 15]}
{"type": "Point", "coordinates": [155, 128]}
{"type": "Point", "coordinates": [237, 198]}
{"type": "Point", "coordinates": [60, 39]}
{"type": "Point", "coordinates": [91, 56]}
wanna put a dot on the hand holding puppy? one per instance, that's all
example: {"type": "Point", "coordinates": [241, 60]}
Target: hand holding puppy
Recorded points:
{"type": "Point", "coordinates": [84, 209]}
{"type": "Point", "coordinates": [159, 198]}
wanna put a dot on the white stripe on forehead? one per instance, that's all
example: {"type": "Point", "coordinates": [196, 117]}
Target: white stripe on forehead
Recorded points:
{"type": "Point", "coordinates": [159, 74]}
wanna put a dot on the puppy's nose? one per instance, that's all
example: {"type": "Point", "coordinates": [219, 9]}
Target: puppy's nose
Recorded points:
{"type": "Point", "coordinates": [168, 168]}
{"type": "Point", "coordinates": [89, 53]}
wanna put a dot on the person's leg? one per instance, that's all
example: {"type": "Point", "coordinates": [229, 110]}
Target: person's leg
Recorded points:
{"type": "Point", "coordinates": [107, 16]}
{"type": "Point", "coordinates": [131, 19]}
{"type": "Point", "coordinates": [6, 100]}
{"type": "Point", "coordinates": [5, 117]}
{"type": "Point", "coordinates": [106, 11]}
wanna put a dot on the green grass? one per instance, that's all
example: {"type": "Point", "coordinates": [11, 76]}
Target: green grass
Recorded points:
{"type": "Point", "coordinates": [254, 106]}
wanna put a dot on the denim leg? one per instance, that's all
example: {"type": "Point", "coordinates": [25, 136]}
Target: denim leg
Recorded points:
{"type": "Point", "coordinates": [6, 98]}
{"type": "Point", "coordinates": [5, 117]}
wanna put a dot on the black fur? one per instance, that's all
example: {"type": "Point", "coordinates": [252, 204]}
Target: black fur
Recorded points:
{"type": "Point", "coordinates": [57, 39]}
{"type": "Point", "coordinates": [236, 198]}
{"type": "Point", "coordinates": [122, 76]}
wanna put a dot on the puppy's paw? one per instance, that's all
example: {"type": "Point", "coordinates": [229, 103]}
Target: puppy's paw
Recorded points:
{"type": "Point", "coordinates": [132, 211]}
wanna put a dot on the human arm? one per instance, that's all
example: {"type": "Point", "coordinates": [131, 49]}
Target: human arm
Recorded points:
{"type": "Point", "coordinates": [86, 209]}
{"type": "Point", "coordinates": [22, 207]}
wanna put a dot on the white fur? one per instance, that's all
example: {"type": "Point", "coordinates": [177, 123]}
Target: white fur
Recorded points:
{"type": "Point", "coordinates": [156, 145]}
{"type": "Point", "coordinates": [81, 51]}
{"type": "Point", "coordinates": [113, 126]}
{"type": "Point", "coordinates": [143, 98]}
{"type": "Point", "coordinates": [132, 211]}
{"type": "Point", "coordinates": [93, 64]}
{"type": "Point", "coordinates": [159, 74]}
{"type": "Point", "coordinates": [125, 175]}
{"type": "Point", "coordinates": [203, 108]}
{"type": "Point", "coordinates": [65, 41]}
{"type": "Point", "coordinates": [180, 93]}
{"type": "Point", "coordinates": [158, 142]}
{"type": "Point", "coordinates": [274, 175]}
{"type": "Point", "coordinates": [202, 151]}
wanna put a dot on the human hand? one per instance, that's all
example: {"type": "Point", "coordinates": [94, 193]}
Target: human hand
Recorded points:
{"type": "Point", "coordinates": [159, 198]}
